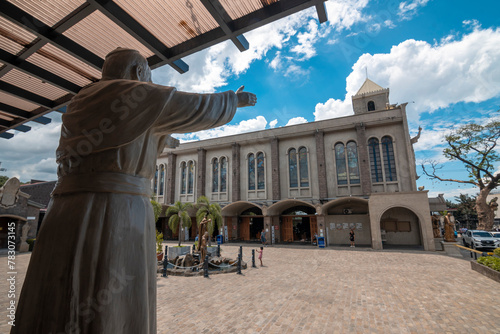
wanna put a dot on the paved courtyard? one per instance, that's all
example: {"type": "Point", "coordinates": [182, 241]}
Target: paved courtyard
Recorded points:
{"type": "Point", "coordinates": [334, 290]}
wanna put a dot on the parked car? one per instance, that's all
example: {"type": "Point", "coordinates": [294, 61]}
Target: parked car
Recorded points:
{"type": "Point", "coordinates": [495, 234]}
{"type": "Point", "coordinates": [480, 239]}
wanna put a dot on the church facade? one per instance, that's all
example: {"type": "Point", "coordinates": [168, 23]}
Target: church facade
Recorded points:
{"type": "Point", "coordinates": [319, 179]}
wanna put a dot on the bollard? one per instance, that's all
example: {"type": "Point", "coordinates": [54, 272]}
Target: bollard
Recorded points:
{"type": "Point", "coordinates": [253, 259]}
{"type": "Point", "coordinates": [194, 248]}
{"type": "Point", "coordinates": [241, 251]}
{"type": "Point", "coordinates": [165, 262]}
{"type": "Point", "coordinates": [205, 267]}
{"type": "Point", "coordinates": [239, 264]}
{"type": "Point", "coordinates": [218, 250]}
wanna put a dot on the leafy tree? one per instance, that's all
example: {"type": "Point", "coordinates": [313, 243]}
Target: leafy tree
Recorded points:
{"type": "Point", "coordinates": [476, 147]}
{"type": "Point", "coordinates": [466, 212]}
{"type": "Point", "coordinates": [156, 209]}
{"type": "Point", "coordinates": [179, 217]}
{"type": "Point", "coordinates": [210, 210]}
{"type": "Point", "coordinates": [3, 179]}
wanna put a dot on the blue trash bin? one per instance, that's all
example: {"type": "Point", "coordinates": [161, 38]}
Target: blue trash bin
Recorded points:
{"type": "Point", "coordinates": [321, 242]}
{"type": "Point", "coordinates": [220, 239]}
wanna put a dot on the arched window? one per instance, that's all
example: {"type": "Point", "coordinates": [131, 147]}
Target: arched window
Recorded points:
{"type": "Point", "coordinates": [292, 168]}
{"type": "Point", "coordinates": [223, 174]}
{"type": "Point", "coordinates": [183, 178]}
{"type": "Point", "coordinates": [389, 161]}
{"type": "Point", "coordinates": [215, 175]}
{"type": "Point", "coordinates": [341, 164]}
{"type": "Point", "coordinates": [162, 179]}
{"type": "Point", "coordinates": [190, 177]}
{"type": "Point", "coordinates": [303, 169]}
{"type": "Point", "coordinates": [156, 181]}
{"type": "Point", "coordinates": [375, 162]}
{"type": "Point", "coordinates": [371, 105]}
{"type": "Point", "coordinates": [251, 171]}
{"type": "Point", "coordinates": [352, 162]}
{"type": "Point", "coordinates": [261, 184]}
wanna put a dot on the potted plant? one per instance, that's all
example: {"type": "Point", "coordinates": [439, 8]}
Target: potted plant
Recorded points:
{"type": "Point", "coordinates": [159, 244]}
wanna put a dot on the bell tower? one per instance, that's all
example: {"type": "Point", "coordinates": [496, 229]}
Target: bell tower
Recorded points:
{"type": "Point", "coordinates": [370, 97]}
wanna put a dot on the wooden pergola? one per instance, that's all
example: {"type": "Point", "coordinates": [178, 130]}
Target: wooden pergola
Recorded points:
{"type": "Point", "coordinates": [50, 49]}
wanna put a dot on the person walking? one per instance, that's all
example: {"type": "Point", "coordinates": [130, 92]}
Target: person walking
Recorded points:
{"type": "Point", "coordinates": [260, 255]}
{"type": "Point", "coordinates": [351, 237]}
{"type": "Point", "coordinates": [263, 237]}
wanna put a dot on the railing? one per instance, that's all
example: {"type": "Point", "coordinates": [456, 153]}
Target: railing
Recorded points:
{"type": "Point", "coordinates": [473, 252]}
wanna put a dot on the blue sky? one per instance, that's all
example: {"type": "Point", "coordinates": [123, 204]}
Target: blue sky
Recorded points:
{"type": "Point", "coordinates": [442, 57]}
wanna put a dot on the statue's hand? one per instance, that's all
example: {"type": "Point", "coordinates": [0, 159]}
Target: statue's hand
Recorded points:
{"type": "Point", "coordinates": [245, 99]}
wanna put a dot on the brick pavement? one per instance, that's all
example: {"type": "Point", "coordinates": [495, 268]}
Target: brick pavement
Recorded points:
{"type": "Point", "coordinates": [333, 290]}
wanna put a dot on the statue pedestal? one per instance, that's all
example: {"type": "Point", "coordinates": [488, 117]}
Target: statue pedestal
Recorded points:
{"type": "Point", "coordinates": [437, 244]}
{"type": "Point", "coordinates": [451, 249]}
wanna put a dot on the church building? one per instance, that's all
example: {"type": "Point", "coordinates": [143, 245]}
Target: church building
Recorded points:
{"type": "Point", "coordinates": [320, 178]}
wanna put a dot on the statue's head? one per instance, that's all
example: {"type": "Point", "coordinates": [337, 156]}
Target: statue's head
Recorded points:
{"type": "Point", "coordinates": [128, 64]}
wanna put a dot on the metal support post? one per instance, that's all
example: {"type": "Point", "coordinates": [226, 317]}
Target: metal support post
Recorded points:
{"type": "Point", "coordinates": [205, 267]}
{"type": "Point", "coordinates": [165, 262]}
{"type": "Point", "coordinates": [218, 250]}
{"type": "Point", "coordinates": [253, 259]}
{"type": "Point", "coordinates": [239, 264]}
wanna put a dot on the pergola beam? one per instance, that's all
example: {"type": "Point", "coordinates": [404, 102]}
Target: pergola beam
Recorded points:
{"type": "Point", "coordinates": [116, 14]}
{"type": "Point", "coordinates": [20, 113]}
{"type": "Point", "coordinates": [38, 72]}
{"type": "Point", "coordinates": [321, 10]}
{"type": "Point", "coordinates": [220, 15]}
{"type": "Point", "coordinates": [26, 95]}
{"type": "Point", "coordinates": [48, 34]}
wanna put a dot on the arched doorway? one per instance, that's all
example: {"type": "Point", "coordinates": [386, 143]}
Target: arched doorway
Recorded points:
{"type": "Point", "coordinates": [400, 228]}
{"type": "Point", "coordinates": [251, 224]}
{"type": "Point", "coordinates": [343, 214]}
{"type": "Point", "coordinates": [298, 224]}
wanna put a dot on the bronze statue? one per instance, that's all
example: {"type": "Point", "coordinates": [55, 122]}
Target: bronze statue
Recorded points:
{"type": "Point", "coordinates": [203, 247]}
{"type": "Point", "coordinates": [449, 230]}
{"type": "Point", "coordinates": [93, 269]}
{"type": "Point", "coordinates": [202, 229]}
{"type": "Point", "coordinates": [435, 226]}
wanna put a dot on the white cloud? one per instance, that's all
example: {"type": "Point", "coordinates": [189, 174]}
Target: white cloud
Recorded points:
{"type": "Point", "coordinates": [407, 9]}
{"type": "Point", "coordinates": [273, 123]}
{"type": "Point", "coordinates": [251, 125]}
{"type": "Point", "coordinates": [296, 120]}
{"type": "Point", "coordinates": [211, 68]}
{"type": "Point", "coordinates": [31, 155]}
{"type": "Point", "coordinates": [333, 108]}
{"type": "Point", "coordinates": [343, 14]}
{"type": "Point", "coordinates": [433, 76]}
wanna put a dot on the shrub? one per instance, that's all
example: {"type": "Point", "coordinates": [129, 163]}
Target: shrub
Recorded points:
{"type": "Point", "coordinates": [497, 251]}
{"type": "Point", "coordinates": [489, 261]}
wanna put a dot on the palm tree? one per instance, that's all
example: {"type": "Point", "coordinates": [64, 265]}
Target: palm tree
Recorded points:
{"type": "Point", "coordinates": [179, 216]}
{"type": "Point", "coordinates": [210, 210]}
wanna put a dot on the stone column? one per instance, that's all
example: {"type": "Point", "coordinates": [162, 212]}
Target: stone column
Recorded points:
{"type": "Point", "coordinates": [275, 166]}
{"type": "Point", "coordinates": [171, 168]}
{"type": "Point", "coordinates": [236, 191]}
{"type": "Point", "coordinates": [320, 154]}
{"type": "Point", "coordinates": [202, 172]}
{"type": "Point", "coordinates": [364, 160]}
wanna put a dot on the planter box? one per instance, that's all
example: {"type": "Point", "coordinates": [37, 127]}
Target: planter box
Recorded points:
{"type": "Point", "coordinates": [175, 251]}
{"type": "Point", "coordinates": [486, 271]}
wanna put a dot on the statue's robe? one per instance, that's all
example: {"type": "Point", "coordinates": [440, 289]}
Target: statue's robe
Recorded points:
{"type": "Point", "coordinates": [93, 268]}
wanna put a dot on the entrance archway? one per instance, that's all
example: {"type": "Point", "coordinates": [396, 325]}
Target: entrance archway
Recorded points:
{"type": "Point", "coordinates": [400, 228]}
{"type": "Point", "coordinates": [298, 224]}
{"type": "Point", "coordinates": [251, 224]}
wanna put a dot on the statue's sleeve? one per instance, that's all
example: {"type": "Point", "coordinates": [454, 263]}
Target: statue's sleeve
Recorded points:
{"type": "Point", "coordinates": [189, 112]}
